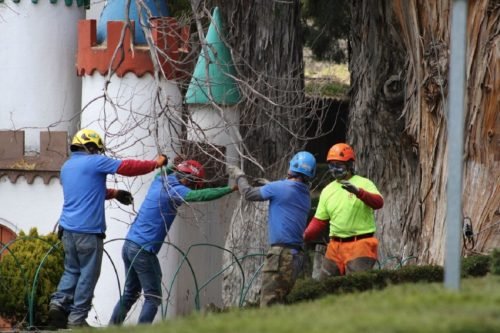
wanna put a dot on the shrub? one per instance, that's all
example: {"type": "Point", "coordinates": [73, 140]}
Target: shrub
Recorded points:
{"type": "Point", "coordinates": [31, 263]}
{"type": "Point", "coordinates": [495, 262]}
{"type": "Point", "coordinates": [309, 289]}
{"type": "Point", "coordinates": [375, 279]}
{"type": "Point", "coordinates": [477, 265]}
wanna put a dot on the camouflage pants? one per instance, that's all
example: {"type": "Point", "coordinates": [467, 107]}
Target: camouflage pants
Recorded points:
{"type": "Point", "coordinates": [281, 267]}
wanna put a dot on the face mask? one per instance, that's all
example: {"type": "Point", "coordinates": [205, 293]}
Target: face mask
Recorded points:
{"type": "Point", "coordinates": [338, 171]}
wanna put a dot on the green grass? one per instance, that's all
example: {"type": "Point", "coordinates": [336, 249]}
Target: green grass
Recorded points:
{"type": "Point", "coordinates": [418, 307]}
{"type": "Point", "coordinates": [330, 89]}
{"type": "Point", "coordinates": [324, 78]}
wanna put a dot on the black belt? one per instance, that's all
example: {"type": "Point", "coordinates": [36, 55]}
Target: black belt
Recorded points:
{"type": "Point", "coordinates": [289, 246]}
{"type": "Point", "coordinates": [352, 238]}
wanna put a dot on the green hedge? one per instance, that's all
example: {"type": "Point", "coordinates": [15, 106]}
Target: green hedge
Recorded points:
{"type": "Point", "coordinates": [495, 262]}
{"type": "Point", "coordinates": [308, 289]}
{"type": "Point", "coordinates": [23, 269]}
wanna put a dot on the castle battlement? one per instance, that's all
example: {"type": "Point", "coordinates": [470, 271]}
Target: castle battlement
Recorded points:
{"type": "Point", "coordinates": [14, 162]}
{"type": "Point", "coordinates": [170, 39]}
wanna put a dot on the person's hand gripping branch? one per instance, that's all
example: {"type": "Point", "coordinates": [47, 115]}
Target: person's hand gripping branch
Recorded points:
{"type": "Point", "coordinates": [161, 160]}
{"type": "Point", "coordinates": [234, 172]}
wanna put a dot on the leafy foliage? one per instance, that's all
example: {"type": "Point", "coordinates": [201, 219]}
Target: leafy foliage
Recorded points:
{"type": "Point", "coordinates": [495, 262]}
{"type": "Point", "coordinates": [477, 265]}
{"type": "Point", "coordinates": [30, 263]}
{"type": "Point", "coordinates": [179, 7]}
{"type": "Point", "coordinates": [326, 24]}
{"type": "Point", "coordinates": [376, 279]}
{"type": "Point", "coordinates": [308, 289]}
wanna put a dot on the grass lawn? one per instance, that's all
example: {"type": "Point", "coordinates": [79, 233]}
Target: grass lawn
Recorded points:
{"type": "Point", "coordinates": [404, 308]}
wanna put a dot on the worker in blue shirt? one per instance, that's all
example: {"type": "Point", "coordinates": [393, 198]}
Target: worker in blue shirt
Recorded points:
{"type": "Point", "coordinates": [289, 205]}
{"type": "Point", "coordinates": [148, 232]}
{"type": "Point", "coordinates": [82, 225]}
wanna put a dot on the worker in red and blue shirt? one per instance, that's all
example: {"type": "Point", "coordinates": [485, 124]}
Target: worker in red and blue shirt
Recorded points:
{"type": "Point", "coordinates": [347, 206]}
{"type": "Point", "coordinates": [148, 232]}
{"type": "Point", "coordinates": [289, 205]}
{"type": "Point", "coordinates": [82, 224]}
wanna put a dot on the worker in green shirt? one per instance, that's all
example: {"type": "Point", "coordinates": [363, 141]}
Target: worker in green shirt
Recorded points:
{"type": "Point", "coordinates": [347, 206]}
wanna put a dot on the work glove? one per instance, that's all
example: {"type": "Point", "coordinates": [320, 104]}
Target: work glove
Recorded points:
{"type": "Point", "coordinates": [60, 232]}
{"type": "Point", "coordinates": [124, 197]}
{"type": "Point", "coordinates": [234, 172]}
{"type": "Point", "coordinates": [348, 186]}
{"type": "Point", "coordinates": [161, 160]}
{"type": "Point", "coordinates": [261, 181]}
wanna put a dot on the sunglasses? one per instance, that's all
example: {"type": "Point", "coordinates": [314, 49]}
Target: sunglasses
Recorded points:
{"type": "Point", "coordinates": [337, 165]}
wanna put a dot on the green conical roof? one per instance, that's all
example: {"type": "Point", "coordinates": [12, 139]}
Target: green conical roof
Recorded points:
{"type": "Point", "coordinates": [223, 88]}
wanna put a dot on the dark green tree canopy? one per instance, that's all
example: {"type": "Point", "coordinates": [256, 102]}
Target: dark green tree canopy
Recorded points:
{"type": "Point", "coordinates": [325, 24]}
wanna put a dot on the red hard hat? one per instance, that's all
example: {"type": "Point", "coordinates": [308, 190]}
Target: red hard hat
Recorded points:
{"type": "Point", "coordinates": [192, 168]}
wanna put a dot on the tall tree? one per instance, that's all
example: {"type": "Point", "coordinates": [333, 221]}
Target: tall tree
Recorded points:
{"type": "Point", "coordinates": [399, 70]}
{"type": "Point", "coordinates": [266, 45]}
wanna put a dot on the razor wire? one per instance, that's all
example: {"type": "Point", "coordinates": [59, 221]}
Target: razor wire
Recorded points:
{"type": "Point", "coordinates": [30, 285]}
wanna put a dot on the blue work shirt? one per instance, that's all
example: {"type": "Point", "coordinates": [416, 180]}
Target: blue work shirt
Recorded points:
{"type": "Point", "coordinates": [289, 205]}
{"type": "Point", "coordinates": [83, 178]}
{"type": "Point", "coordinates": [157, 212]}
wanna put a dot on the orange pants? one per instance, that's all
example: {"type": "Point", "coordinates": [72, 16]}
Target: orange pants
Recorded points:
{"type": "Point", "coordinates": [341, 253]}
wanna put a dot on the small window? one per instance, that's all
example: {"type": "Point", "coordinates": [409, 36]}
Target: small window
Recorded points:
{"type": "Point", "coordinates": [6, 235]}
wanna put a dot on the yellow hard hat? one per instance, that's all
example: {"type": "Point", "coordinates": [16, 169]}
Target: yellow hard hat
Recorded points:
{"type": "Point", "coordinates": [85, 136]}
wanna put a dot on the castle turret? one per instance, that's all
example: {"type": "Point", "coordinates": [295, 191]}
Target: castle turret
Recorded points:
{"type": "Point", "coordinates": [212, 99]}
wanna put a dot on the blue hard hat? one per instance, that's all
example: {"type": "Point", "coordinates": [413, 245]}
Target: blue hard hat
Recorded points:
{"type": "Point", "coordinates": [303, 162]}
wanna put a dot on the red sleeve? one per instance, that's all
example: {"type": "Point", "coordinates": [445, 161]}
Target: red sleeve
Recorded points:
{"type": "Point", "coordinates": [135, 167]}
{"type": "Point", "coordinates": [314, 229]}
{"type": "Point", "coordinates": [110, 193]}
{"type": "Point", "coordinates": [375, 201]}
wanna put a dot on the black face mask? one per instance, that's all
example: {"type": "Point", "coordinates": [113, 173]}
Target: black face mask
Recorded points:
{"type": "Point", "coordinates": [338, 171]}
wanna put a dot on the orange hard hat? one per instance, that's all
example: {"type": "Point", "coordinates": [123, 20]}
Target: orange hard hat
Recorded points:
{"type": "Point", "coordinates": [340, 152]}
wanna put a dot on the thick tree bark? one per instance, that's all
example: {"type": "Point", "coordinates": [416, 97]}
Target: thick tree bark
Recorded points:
{"type": "Point", "coordinates": [266, 45]}
{"type": "Point", "coordinates": [399, 66]}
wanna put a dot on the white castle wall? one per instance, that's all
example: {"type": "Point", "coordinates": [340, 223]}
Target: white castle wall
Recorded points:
{"type": "Point", "coordinates": [196, 225]}
{"type": "Point", "coordinates": [216, 128]}
{"type": "Point", "coordinates": [39, 91]}
{"type": "Point", "coordinates": [24, 206]}
{"type": "Point", "coordinates": [39, 88]}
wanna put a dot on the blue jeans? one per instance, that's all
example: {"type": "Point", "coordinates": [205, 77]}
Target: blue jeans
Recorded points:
{"type": "Point", "coordinates": [82, 267]}
{"type": "Point", "coordinates": [143, 272]}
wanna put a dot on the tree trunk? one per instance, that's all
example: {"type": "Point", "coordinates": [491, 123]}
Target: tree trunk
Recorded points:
{"type": "Point", "coordinates": [399, 67]}
{"type": "Point", "coordinates": [266, 45]}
